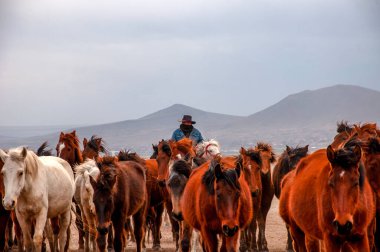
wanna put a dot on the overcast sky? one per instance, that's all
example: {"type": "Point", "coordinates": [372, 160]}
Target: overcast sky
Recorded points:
{"type": "Point", "coordinates": [89, 61]}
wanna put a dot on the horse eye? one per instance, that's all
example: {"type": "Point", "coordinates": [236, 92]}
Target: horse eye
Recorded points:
{"type": "Point", "coordinates": [20, 173]}
{"type": "Point", "coordinates": [356, 183]}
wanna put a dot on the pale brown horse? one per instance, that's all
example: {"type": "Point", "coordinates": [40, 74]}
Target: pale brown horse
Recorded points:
{"type": "Point", "coordinates": [328, 198]}
{"type": "Point", "coordinates": [217, 201]}
{"type": "Point", "coordinates": [119, 193]}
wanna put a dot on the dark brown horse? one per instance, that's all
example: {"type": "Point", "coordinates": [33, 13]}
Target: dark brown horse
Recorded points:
{"type": "Point", "coordinates": [286, 163]}
{"type": "Point", "coordinates": [92, 147]}
{"type": "Point", "coordinates": [68, 149]}
{"type": "Point", "coordinates": [217, 201]}
{"type": "Point", "coordinates": [119, 192]}
{"type": "Point", "coordinates": [328, 198]}
{"type": "Point", "coordinates": [267, 158]}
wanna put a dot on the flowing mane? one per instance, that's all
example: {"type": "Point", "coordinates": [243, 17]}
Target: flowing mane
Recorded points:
{"type": "Point", "coordinates": [88, 166]}
{"type": "Point", "coordinates": [97, 144]}
{"type": "Point", "coordinates": [41, 151]}
{"type": "Point", "coordinates": [126, 155]}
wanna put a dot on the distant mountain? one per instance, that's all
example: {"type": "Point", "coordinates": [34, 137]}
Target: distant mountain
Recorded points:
{"type": "Point", "coordinates": [308, 117]}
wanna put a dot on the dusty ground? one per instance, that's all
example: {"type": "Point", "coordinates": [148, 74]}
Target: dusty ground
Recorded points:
{"type": "Point", "coordinates": [275, 234]}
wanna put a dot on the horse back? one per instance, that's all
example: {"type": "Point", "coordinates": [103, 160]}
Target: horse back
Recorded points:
{"type": "Point", "coordinates": [131, 187]}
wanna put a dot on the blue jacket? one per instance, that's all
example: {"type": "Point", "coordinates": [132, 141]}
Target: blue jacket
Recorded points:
{"type": "Point", "coordinates": [195, 135]}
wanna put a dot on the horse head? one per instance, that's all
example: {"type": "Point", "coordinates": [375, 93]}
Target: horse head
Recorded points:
{"type": "Point", "coordinates": [295, 154]}
{"type": "Point", "coordinates": [208, 149]}
{"type": "Point", "coordinates": [346, 179]}
{"type": "Point", "coordinates": [164, 154]}
{"type": "Point", "coordinates": [103, 192]}
{"type": "Point", "coordinates": [68, 148]}
{"type": "Point", "coordinates": [13, 173]}
{"type": "Point", "coordinates": [178, 177]}
{"type": "Point", "coordinates": [93, 147]}
{"type": "Point", "coordinates": [222, 183]}
{"type": "Point", "coordinates": [267, 156]}
{"type": "Point", "coordinates": [250, 161]}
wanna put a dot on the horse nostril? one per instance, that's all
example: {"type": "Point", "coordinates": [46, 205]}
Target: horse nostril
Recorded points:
{"type": "Point", "coordinates": [225, 229]}
{"type": "Point", "coordinates": [177, 217]}
{"type": "Point", "coordinates": [235, 229]}
{"type": "Point", "coordinates": [343, 229]}
{"type": "Point", "coordinates": [162, 183]}
{"type": "Point", "coordinates": [255, 193]}
{"type": "Point", "coordinates": [348, 226]}
{"type": "Point", "coordinates": [102, 230]}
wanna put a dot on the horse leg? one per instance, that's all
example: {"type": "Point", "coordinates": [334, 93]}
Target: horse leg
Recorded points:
{"type": "Point", "coordinates": [39, 229]}
{"type": "Point", "coordinates": [186, 234]}
{"type": "Point", "coordinates": [209, 240]}
{"type": "Point", "coordinates": [55, 226]}
{"type": "Point", "coordinates": [86, 230]}
{"type": "Point", "coordinates": [92, 232]}
{"type": "Point", "coordinates": [18, 233]}
{"type": "Point", "coordinates": [4, 219]}
{"type": "Point", "coordinates": [49, 234]}
{"type": "Point", "coordinates": [68, 235]}
{"type": "Point", "coordinates": [139, 227]}
{"type": "Point", "coordinates": [110, 238]}
{"type": "Point", "coordinates": [8, 225]}
{"type": "Point", "coordinates": [298, 238]}
{"type": "Point", "coordinates": [175, 225]}
{"type": "Point", "coordinates": [312, 245]}
{"type": "Point", "coordinates": [64, 223]}
{"type": "Point", "coordinates": [26, 227]}
{"type": "Point", "coordinates": [159, 209]}
{"type": "Point", "coordinates": [267, 195]}
{"type": "Point", "coordinates": [289, 244]}
{"type": "Point", "coordinates": [377, 232]}
{"type": "Point", "coordinates": [331, 244]}
{"type": "Point", "coordinates": [79, 224]}
{"type": "Point", "coordinates": [118, 239]}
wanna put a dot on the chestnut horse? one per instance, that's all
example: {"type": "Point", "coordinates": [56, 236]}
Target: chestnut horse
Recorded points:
{"type": "Point", "coordinates": [68, 149]}
{"type": "Point", "coordinates": [328, 197]}
{"type": "Point", "coordinates": [156, 194]}
{"type": "Point", "coordinates": [217, 201]}
{"type": "Point", "coordinates": [286, 163]}
{"type": "Point", "coordinates": [92, 147]}
{"type": "Point", "coordinates": [119, 192]}
{"type": "Point", "coordinates": [250, 161]}
{"type": "Point", "coordinates": [267, 158]}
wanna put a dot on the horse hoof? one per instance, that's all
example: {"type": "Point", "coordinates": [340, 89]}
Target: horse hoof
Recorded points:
{"type": "Point", "coordinates": [110, 250]}
{"type": "Point", "coordinates": [289, 250]}
{"type": "Point", "coordinates": [156, 247]}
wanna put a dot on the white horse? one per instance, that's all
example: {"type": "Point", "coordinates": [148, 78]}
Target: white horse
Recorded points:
{"type": "Point", "coordinates": [84, 196]}
{"type": "Point", "coordinates": [208, 149]}
{"type": "Point", "coordinates": [38, 188]}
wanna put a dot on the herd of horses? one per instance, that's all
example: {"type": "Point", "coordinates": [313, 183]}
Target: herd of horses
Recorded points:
{"type": "Point", "coordinates": [329, 199]}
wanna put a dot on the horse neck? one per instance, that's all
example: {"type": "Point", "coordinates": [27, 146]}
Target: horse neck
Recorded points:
{"type": "Point", "coordinates": [33, 172]}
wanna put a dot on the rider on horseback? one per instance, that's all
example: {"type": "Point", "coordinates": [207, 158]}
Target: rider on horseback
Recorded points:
{"type": "Point", "coordinates": [186, 129]}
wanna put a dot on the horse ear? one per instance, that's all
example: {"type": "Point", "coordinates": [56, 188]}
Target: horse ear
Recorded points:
{"type": "Point", "coordinates": [3, 155]}
{"type": "Point", "coordinates": [243, 151]}
{"type": "Point", "coordinates": [73, 133]}
{"type": "Point", "coordinates": [306, 148]}
{"type": "Point", "coordinates": [85, 142]}
{"type": "Point", "coordinates": [330, 154]}
{"type": "Point", "coordinates": [61, 135]}
{"type": "Point", "coordinates": [98, 141]}
{"type": "Point", "coordinates": [218, 171]}
{"type": "Point", "coordinates": [272, 157]}
{"type": "Point", "coordinates": [288, 149]}
{"type": "Point", "coordinates": [24, 152]}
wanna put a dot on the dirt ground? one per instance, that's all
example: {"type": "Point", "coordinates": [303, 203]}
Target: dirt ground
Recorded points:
{"type": "Point", "coordinates": [275, 234]}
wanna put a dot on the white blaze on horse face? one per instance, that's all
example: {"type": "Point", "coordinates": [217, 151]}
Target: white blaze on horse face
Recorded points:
{"type": "Point", "coordinates": [14, 182]}
{"type": "Point", "coordinates": [250, 166]}
{"type": "Point", "coordinates": [341, 174]}
{"type": "Point", "coordinates": [60, 148]}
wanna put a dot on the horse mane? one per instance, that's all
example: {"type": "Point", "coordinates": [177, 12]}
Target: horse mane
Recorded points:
{"type": "Point", "coordinates": [126, 155]}
{"type": "Point", "coordinates": [184, 145]}
{"type": "Point", "coordinates": [198, 161]}
{"type": "Point", "coordinates": [166, 148]}
{"type": "Point", "coordinates": [266, 147]}
{"type": "Point", "coordinates": [41, 151]}
{"type": "Point", "coordinates": [199, 148]}
{"type": "Point", "coordinates": [88, 165]}
{"type": "Point", "coordinates": [343, 126]}
{"type": "Point", "coordinates": [181, 167]}
{"type": "Point", "coordinates": [345, 157]}
{"type": "Point", "coordinates": [108, 171]}
{"type": "Point", "coordinates": [284, 161]}
{"type": "Point", "coordinates": [230, 176]}
{"type": "Point", "coordinates": [31, 160]}
{"type": "Point", "coordinates": [254, 155]}
{"type": "Point", "coordinates": [92, 143]}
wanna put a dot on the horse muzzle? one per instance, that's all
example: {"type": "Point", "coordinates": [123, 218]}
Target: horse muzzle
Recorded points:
{"type": "Point", "coordinates": [229, 232]}
{"type": "Point", "coordinates": [102, 230]}
{"type": "Point", "coordinates": [9, 204]}
{"type": "Point", "coordinates": [177, 217]}
{"type": "Point", "coordinates": [343, 229]}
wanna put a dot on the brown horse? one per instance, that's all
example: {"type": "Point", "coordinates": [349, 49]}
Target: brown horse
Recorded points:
{"type": "Point", "coordinates": [156, 194]}
{"type": "Point", "coordinates": [119, 192]}
{"type": "Point", "coordinates": [217, 201]}
{"type": "Point", "coordinates": [250, 161]}
{"type": "Point", "coordinates": [328, 197]}
{"type": "Point", "coordinates": [92, 147]}
{"type": "Point", "coordinates": [68, 149]}
{"type": "Point", "coordinates": [267, 158]}
{"type": "Point", "coordinates": [286, 163]}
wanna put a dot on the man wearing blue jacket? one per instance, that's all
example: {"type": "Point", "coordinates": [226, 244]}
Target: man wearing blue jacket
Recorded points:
{"type": "Point", "coordinates": [186, 129]}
